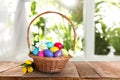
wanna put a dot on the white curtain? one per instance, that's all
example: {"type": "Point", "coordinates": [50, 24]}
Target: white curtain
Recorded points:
{"type": "Point", "coordinates": [13, 44]}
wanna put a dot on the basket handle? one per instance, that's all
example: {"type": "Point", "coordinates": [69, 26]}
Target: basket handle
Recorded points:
{"type": "Point", "coordinates": [28, 29]}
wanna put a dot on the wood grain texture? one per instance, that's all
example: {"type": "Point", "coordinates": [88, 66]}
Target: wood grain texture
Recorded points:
{"type": "Point", "coordinates": [81, 70]}
{"type": "Point", "coordinates": [10, 71]}
{"type": "Point", "coordinates": [8, 65]}
{"type": "Point", "coordinates": [115, 64]}
{"type": "Point", "coordinates": [106, 71]}
{"type": "Point", "coordinates": [14, 72]}
{"type": "Point", "coordinates": [51, 78]}
{"type": "Point", "coordinates": [10, 78]}
{"type": "Point", "coordinates": [85, 71]}
{"type": "Point", "coordinates": [98, 69]}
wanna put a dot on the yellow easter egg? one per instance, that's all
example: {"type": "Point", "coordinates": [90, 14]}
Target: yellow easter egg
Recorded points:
{"type": "Point", "coordinates": [54, 49]}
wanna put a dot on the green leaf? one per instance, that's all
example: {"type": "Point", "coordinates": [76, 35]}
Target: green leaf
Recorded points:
{"type": "Point", "coordinates": [34, 13]}
{"type": "Point", "coordinates": [24, 65]}
{"type": "Point", "coordinates": [42, 20]}
{"type": "Point", "coordinates": [33, 6]}
{"type": "Point", "coordinates": [103, 27]}
{"type": "Point", "coordinates": [98, 3]}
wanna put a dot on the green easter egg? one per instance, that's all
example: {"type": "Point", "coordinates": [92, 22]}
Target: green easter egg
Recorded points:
{"type": "Point", "coordinates": [64, 52]}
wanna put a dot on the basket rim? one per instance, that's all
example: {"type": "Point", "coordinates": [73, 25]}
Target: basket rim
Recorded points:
{"type": "Point", "coordinates": [52, 58]}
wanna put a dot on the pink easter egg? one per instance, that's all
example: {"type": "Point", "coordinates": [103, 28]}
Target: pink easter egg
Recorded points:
{"type": "Point", "coordinates": [41, 54]}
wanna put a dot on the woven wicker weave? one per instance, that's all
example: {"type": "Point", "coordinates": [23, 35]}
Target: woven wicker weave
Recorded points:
{"type": "Point", "coordinates": [45, 64]}
{"type": "Point", "coordinates": [50, 65]}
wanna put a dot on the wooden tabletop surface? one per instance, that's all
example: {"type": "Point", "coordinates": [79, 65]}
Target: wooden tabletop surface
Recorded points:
{"type": "Point", "coordinates": [81, 70]}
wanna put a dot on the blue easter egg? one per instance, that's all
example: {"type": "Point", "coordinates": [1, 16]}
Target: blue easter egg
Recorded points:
{"type": "Point", "coordinates": [49, 44]}
{"type": "Point", "coordinates": [36, 51]}
{"type": "Point", "coordinates": [48, 53]}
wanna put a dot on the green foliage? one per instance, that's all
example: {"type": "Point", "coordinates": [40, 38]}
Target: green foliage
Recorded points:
{"type": "Point", "coordinates": [115, 40]}
{"type": "Point", "coordinates": [101, 39]}
{"type": "Point", "coordinates": [76, 10]}
{"type": "Point", "coordinates": [101, 45]}
{"type": "Point", "coordinates": [105, 36]}
{"type": "Point", "coordinates": [33, 8]}
{"type": "Point", "coordinates": [40, 23]}
{"type": "Point", "coordinates": [64, 33]}
{"type": "Point", "coordinates": [67, 39]}
{"type": "Point", "coordinates": [76, 14]}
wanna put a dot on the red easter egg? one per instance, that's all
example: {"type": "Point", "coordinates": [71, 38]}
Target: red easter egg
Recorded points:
{"type": "Point", "coordinates": [58, 44]}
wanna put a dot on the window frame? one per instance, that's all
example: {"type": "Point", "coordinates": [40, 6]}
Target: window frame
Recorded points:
{"type": "Point", "coordinates": [89, 35]}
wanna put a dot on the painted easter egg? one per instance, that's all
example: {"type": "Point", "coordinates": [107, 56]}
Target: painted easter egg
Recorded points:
{"type": "Point", "coordinates": [58, 53]}
{"type": "Point", "coordinates": [35, 51]}
{"type": "Point", "coordinates": [54, 49]}
{"type": "Point", "coordinates": [49, 44]}
{"type": "Point", "coordinates": [64, 52]}
{"type": "Point", "coordinates": [58, 44]}
{"type": "Point", "coordinates": [41, 54]}
{"type": "Point", "coordinates": [48, 53]}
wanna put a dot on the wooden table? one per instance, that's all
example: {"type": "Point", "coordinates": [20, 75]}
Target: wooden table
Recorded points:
{"type": "Point", "coordinates": [81, 70]}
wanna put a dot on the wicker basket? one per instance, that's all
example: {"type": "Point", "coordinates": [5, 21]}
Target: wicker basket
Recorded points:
{"type": "Point", "coordinates": [45, 64]}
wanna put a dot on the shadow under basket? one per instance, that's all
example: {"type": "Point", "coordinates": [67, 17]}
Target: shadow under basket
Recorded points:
{"type": "Point", "coordinates": [50, 65]}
